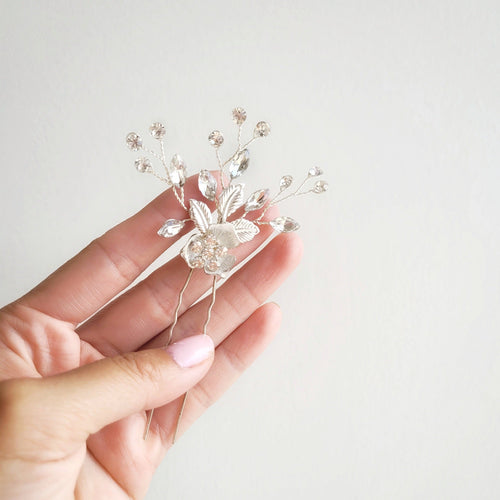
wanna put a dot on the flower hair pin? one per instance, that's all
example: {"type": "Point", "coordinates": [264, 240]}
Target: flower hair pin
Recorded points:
{"type": "Point", "coordinates": [215, 234]}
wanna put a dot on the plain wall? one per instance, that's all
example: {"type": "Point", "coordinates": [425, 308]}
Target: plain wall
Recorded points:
{"type": "Point", "coordinates": [384, 380]}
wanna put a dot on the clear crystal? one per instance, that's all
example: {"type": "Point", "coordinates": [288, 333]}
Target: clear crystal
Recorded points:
{"type": "Point", "coordinates": [216, 138]}
{"type": "Point", "coordinates": [314, 172]}
{"type": "Point", "coordinates": [207, 184]}
{"type": "Point", "coordinates": [157, 130]}
{"type": "Point", "coordinates": [262, 129]}
{"type": "Point", "coordinates": [170, 228]}
{"type": "Point", "coordinates": [177, 171]}
{"type": "Point", "coordinates": [320, 187]}
{"type": "Point", "coordinates": [285, 182]}
{"type": "Point", "coordinates": [143, 165]}
{"type": "Point", "coordinates": [134, 141]}
{"type": "Point", "coordinates": [284, 224]}
{"type": "Point", "coordinates": [257, 200]}
{"type": "Point", "coordinates": [239, 115]}
{"type": "Point", "coordinates": [239, 163]}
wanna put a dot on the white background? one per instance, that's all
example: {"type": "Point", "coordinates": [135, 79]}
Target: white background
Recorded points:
{"type": "Point", "coordinates": [384, 380]}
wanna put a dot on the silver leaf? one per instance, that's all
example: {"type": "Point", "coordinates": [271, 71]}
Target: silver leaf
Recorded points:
{"type": "Point", "coordinates": [230, 200]}
{"type": "Point", "coordinates": [200, 214]}
{"type": "Point", "coordinates": [245, 230]}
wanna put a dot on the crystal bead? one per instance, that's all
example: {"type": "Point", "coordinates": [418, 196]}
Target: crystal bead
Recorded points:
{"type": "Point", "coordinates": [207, 184]}
{"type": "Point", "coordinates": [220, 251]}
{"type": "Point", "coordinates": [196, 247]}
{"type": "Point", "coordinates": [170, 228]}
{"type": "Point", "coordinates": [320, 187]}
{"type": "Point", "coordinates": [239, 115]}
{"type": "Point", "coordinates": [284, 224]}
{"type": "Point", "coordinates": [239, 163]}
{"type": "Point", "coordinates": [285, 182]}
{"type": "Point", "coordinates": [257, 200]}
{"type": "Point", "coordinates": [177, 171]}
{"type": "Point", "coordinates": [157, 130]}
{"type": "Point", "coordinates": [134, 141]}
{"type": "Point", "coordinates": [262, 129]}
{"type": "Point", "coordinates": [212, 266]}
{"type": "Point", "coordinates": [215, 138]}
{"type": "Point", "coordinates": [314, 172]}
{"type": "Point", "coordinates": [143, 165]}
{"type": "Point", "coordinates": [197, 262]}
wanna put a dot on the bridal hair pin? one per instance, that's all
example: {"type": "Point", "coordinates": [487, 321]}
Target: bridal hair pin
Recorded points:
{"type": "Point", "coordinates": [208, 249]}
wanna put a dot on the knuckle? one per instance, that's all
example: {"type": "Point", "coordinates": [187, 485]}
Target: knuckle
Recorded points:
{"type": "Point", "coordinates": [140, 367]}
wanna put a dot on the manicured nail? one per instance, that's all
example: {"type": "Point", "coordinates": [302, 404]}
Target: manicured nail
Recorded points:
{"type": "Point", "coordinates": [191, 350]}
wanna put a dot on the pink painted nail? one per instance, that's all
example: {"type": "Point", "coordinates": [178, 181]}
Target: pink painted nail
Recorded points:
{"type": "Point", "coordinates": [191, 350]}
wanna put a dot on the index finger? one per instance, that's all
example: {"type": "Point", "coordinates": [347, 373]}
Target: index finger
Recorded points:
{"type": "Point", "coordinates": [110, 263]}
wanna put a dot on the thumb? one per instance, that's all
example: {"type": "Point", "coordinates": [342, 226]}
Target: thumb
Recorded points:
{"type": "Point", "coordinates": [77, 403]}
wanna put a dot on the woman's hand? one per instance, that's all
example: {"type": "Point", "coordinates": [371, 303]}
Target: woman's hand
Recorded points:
{"type": "Point", "coordinates": [78, 372]}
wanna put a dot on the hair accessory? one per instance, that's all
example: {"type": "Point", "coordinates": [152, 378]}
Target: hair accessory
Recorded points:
{"type": "Point", "coordinates": [216, 233]}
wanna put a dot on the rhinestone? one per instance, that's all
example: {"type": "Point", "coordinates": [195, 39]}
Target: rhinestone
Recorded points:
{"type": "Point", "coordinates": [320, 187]}
{"type": "Point", "coordinates": [212, 266]}
{"type": "Point", "coordinates": [170, 228]}
{"type": "Point", "coordinates": [220, 251]}
{"type": "Point", "coordinates": [157, 130]}
{"type": "Point", "coordinates": [215, 138]}
{"type": "Point", "coordinates": [134, 142]}
{"type": "Point", "coordinates": [257, 200]}
{"type": "Point", "coordinates": [285, 182]}
{"type": "Point", "coordinates": [143, 165]}
{"type": "Point", "coordinates": [239, 115]}
{"type": "Point", "coordinates": [239, 163]}
{"type": "Point", "coordinates": [210, 240]}
{"type": "Point", "coordinates": [207, 184]}
{"type": "Point", "coordinates": [177, 171]}
{"type": "Point", "coordinates": [284, 224]}
{"type": "Point", "coordinates": [262, 129]}
{"type": "Point", "coordinates": [195, 247]}
{"type": "Point", "coordinates": [197, 262]}
{"type": "Point", "coordinates": [314, 172]}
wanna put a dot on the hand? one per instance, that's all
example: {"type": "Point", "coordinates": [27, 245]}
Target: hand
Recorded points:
{"type": "Point", "coordinates": [76, 383]}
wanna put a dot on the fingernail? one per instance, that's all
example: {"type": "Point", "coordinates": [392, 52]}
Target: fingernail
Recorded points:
{"type": "Point", "coordinates": [191, 350]}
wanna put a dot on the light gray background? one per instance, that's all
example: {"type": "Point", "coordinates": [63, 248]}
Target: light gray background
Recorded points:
{"type": "Point", "coordinates": [384, 380]}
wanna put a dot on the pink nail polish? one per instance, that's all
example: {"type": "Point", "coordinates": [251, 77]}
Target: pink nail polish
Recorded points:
{"type": "Point", "coordinates": [191, 350]}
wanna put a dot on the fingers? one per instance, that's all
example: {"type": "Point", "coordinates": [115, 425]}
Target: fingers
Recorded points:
{"type": "Point", "coordinates": [246, 290]}
{"type": "Point", "coordinates": [148, 308]}
{"type": "Point", "coordinates": [84, 400]}
{"type": "Point", "coordinates": [110, 263]}
{"type": "Point", "coordinates": [232, 357]}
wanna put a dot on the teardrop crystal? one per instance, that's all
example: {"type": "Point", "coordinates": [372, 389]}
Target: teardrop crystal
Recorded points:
{"type": "Point", "coordinates": [285, 182]}
{"type": "Point", "coordinates": [170, 228]}
{"type": "Point", "coordinates": [257, 200]}
{"type": "Point", "coordinates": [239, 163]}
{"type": "Point", "coordinates": [284, 224]}
{"type": "Point", "coordinates": [314, 172]}
{"type": "Point", "coordinates": [207, 184]}
{"type": "Point", "coordinates": [177, 171]}
{"type": "Point", "coordinates": [320, 187]}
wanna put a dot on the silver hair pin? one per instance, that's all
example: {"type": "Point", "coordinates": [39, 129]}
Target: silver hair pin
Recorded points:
{"type": "Point", "coordinates": [215, 234]}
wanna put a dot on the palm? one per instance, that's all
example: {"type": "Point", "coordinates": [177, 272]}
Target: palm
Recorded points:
{"type": "Point", "coordinates": [49, 331]}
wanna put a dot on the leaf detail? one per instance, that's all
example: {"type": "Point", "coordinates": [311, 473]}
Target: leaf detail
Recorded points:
{"type": "Point", "coordinates": [245, 230]}
{"type": "Point", "coordinates": [200, 214]}
{"type": "Point", "coordinates": [230, 200]}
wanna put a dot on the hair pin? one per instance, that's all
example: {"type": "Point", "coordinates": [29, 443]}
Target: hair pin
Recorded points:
{"type": "Point", "coordinates": [215, 234]}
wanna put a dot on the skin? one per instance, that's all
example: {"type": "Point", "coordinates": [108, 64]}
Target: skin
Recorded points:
{"type": "Point", "coordinates": [75, 383]}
